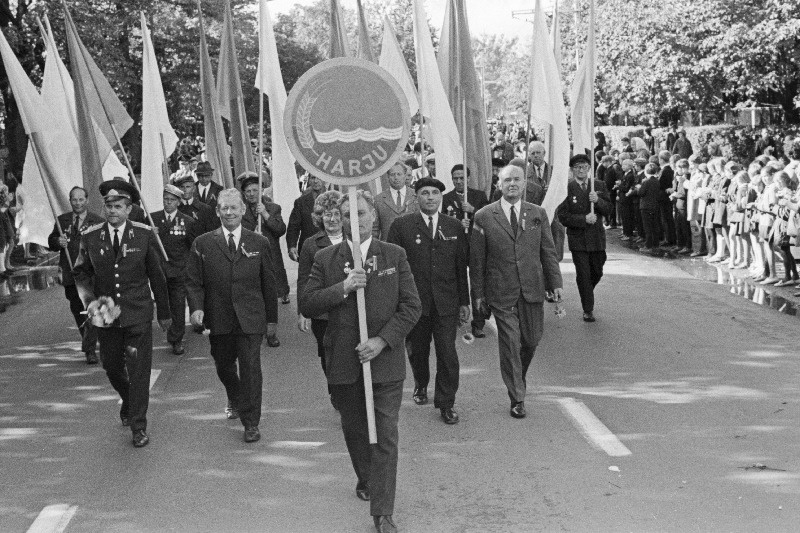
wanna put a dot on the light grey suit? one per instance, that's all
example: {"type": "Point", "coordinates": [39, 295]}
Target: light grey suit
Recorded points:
{"type": "Point", "coordinates": [387, 210]}
{"type": "Point", "coordinates": [511, 273]}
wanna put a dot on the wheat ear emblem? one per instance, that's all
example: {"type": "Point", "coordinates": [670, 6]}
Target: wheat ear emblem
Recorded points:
{"type": "Point", "coordinates": [303, 121]}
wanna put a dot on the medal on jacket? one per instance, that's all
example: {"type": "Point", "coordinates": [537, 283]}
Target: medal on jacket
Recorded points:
{"type": "Point", "coordinates": [347, 268]}
{"type": "Point", "coordinates": [418, 241]}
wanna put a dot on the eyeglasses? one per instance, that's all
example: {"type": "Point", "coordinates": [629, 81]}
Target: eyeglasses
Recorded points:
{"type": "Point", "coordinates": [331, 215]}
{"type": "Point", "coordinates": [581, 167]}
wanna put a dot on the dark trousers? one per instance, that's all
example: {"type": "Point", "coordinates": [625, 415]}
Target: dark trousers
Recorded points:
{"type": "Point", "coordinates": [612, 216]}
{"type": "Point", "coordinates": [318, 328]}
{"type": "Point", "coordinates": [243, 388]}
{"type": "Point", "coordinates": [651, 227]}
{"type": "Point", "coordinates": [588, 273]}
{"type": "Point", "coordinates": [789, 264]}
{"type": "Point", "coordinates": [628, 218]}
{"type": "Point", "coordinates": [127, 356]}
{"type": "Point", "coordinates": [88, 332]}
{"type": "Point", "coordinates": [519, 330]}
{"type": "Point", "coordinates": [442, 330]}
{"type": "Point", "coordinates": [667, 232]}
{"type": "Point", "coordinates": [683, 230]}
{"type": "Point", "coordinates": [375, 464]}
{"type": "Point", "coordinates": [176, 288]}
{"type": "Point", "coordinates": [478, 318]}
{"type": "Point", "coordinates": [711, 240]}
{"type": "Point", "coordinates": [637, 214]}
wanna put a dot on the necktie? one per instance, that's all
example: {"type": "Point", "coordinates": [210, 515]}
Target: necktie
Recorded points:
{"type": "Point", "coordinates": [116, 242]}
{"type": "Point", "coordinates": [203, 196]}
{"type": "Point", "coordinates": [514, 220]}
{"type": "Point", "coordinates": [432, 227]}
{"type": "Point", "coordinates": [583, 186]}
{"type": "Point", "coordinates": [231, 243]}
{"type": "Point", "coordinates": [399, 201]}
{"type": "Point", "coordinates": [76, 222]}
{"type": "Point", "coordinates": [539, 173]}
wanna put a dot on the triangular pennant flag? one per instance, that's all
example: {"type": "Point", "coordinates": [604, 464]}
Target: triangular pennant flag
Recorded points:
{"type": "Point", "coordinates": [393, 61]}
{"type": "Point", "coordinates": [582, 94]}
{"type": "Point", "coordinates": [364, 41]}
{"type": "Point", "coordinates": [340, 46]}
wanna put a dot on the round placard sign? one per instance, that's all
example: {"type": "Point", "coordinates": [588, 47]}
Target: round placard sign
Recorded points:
{"type": "Point", "coordinates": [347, 121]}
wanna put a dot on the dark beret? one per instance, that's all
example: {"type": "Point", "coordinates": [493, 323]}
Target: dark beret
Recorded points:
{"type": "Point", "coordinates": [579, 158]}
{"type": "Point", "coordinates": [428, 182]}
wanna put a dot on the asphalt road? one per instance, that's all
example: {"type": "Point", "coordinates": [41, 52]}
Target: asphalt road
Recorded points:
{"type": "Point", "coordinates": [650, 419]}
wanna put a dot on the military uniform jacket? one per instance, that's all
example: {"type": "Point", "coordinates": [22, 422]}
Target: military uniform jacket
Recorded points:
{"type": "Point", "coordinates": [387, 210]}
{"type": "Point", "coordinates": [73, 242]}
{"type": "Point", "coordinates": [393, 308]}
{"type": "Point", "coordinates": [503, 265]}
{"type": "Point", "coordinates": [439, 265]}
{"type": "Point", "coordinates": [301, 224]}
{"type": "Point", "coordinates": [177, 239]}
{"type": "Point", "coordinates": [583, 237]}
{"type": "Point", "coordinates": [228, 287]}
{"type": "Point", "coordinates": [452, 203]}
{"type": "Point", "coordinates": [205, 218]}
{"type": "Point", "coordinates": [128, 277]}
{"type": "Point", "coordinates": [210, 198]}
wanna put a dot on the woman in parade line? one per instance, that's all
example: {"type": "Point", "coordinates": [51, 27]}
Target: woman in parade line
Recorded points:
{"type": "Point", "coordinates": [328, 219]}
{"type": "Point", "coordinates": [781, 236]}
{"type": "Point", "coordinates": [764, 206]}
{"type": "Point", "coordinates": [740, 255]}
{"type": "Point", "coordinates": [720, 220]}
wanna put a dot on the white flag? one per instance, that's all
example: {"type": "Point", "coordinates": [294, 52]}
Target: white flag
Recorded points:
{"type": "Point", "coordinates": [392, 61]}
{"type": "Point", "coordinates": [547, 105]}
{"type": "Point", "coordinates": [433, 100]}
{"type": "Point", "coordinates": [158, 137]}
{"type": "Point", "coordinates": [582, 94]}
{"type": "Point", "coordinates": [269, 80]}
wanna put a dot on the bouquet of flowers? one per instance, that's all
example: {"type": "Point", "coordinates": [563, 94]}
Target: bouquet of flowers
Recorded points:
{"type": "Point", "coordinates": [102, 312]}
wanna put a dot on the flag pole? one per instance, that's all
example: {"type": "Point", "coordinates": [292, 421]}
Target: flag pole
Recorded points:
{"type": "Point", "coordinates": [464, 153]}
{"type": "Point", "coordinates": [591, 110]}
{"type": "Point", "coordinates": [136, 186]}
{"type": "Point", "coordinates": [165, 164]}
{"type": "Point", "coordinates": [49, 193]}
{"type": "Point", "coordinates": [260, 151]}
{"type": "Point", "coordinates": [355, 235]}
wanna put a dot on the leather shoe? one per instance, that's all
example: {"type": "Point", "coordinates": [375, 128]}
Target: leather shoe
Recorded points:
{"type": "Point", "coordinates": [362, 491]}
{"type": "Point", "coordinates": [177, 348]}
{"type": "Point", "coordinates": [251, 434]}
{"type": "Point", "coordinates": [518, 410]}
{"type": "Point", "coordinates": [420, 396]}
{"type": "Point", "coordinates": [140, 439]}
{"type": "Point", "coordinates": [124, 416]}
{"type": "Point", "coordinates": [384, 524]}
{"type": "Point", "coordinates": [91, 358]}
{"type": "Point", "coordinates": [272, 341]}
{"type": "Point", "coordinates": [231, 413]}
{"type": "Point", "coordinates": [449, 415]}
{"type": "Point", "coordinates": [588, 317]}
{"type": "Point", "coordinates": [478, 333]}
{"type": "Point", "coordinates": [285, 299]}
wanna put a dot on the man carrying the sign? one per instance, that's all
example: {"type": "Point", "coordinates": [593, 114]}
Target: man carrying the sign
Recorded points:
{"type": "Point", "coordinates": [392, 308]}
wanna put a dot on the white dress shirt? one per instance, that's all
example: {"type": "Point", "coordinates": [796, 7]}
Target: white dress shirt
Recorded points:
{"type": "Point", "coordinates": [506, 206]}
{"type": "Point", "coordinates": [402, 192]}
{"type": "Point", "coordinates": [237, 235]}
{"type": "Point", "coordinates": [364, 247]}
{"type": "Point", "coordinates": [120, 229]}
{"type": "Point", "coordinates": [202, 189]}
{"type": "Point", "coordinates": [427, 222]}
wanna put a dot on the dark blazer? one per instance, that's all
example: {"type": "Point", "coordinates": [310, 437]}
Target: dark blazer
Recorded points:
{"type": "Point", "coordinates": [547, 173]}
{"type": "Point", "coordinates": [503, 265]}
{"type": "Point", "coordinates": [628, 183]}
{"type": "Point", "coordinates": [128, 277]}
{"type": "Point", "coordinates": [310, 247]}
{"type": "Point", "coordinates": [583, 237]}
{"type": "Point", "coordinates": [665, 180]}
{"type": "Point", "coordinates": [273, 229]}
{"type": "Point", "coordinates": [301, 223]}
{"type": "Point", "coordinates": [452, 202]}
{"type": "Point", "coordinates": [439, 266]}
{"type": "Point", "coordinates": [73, 242]}
{"type": "Point", "coordinates": [177, 239]}
{"type": "Point", "coordinates": [649, 194]}
{"type": "Point", "coordinates": [393, 308]}
{"type": "Point", "coordinates": [212, 194]}
{"type": "Point", "coordinates": [206, 219]}
{"type": "Point", "coordinates": [228, 286]}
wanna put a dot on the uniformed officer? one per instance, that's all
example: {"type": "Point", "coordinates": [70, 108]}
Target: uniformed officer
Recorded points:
{"type": "Point", "coordinates": [204, 216]}
{"type": "Point", "coordinates": [177, 232]}
{"type": "Point", "coordinates": [119, 259]}
{"type": "Point", "coordinates": [137, 213]}
{"type": "Point", "coordinates": [586, 235]}
{"type": "Point", "coordinates": [436, 248]}
{"type": "Point", "coordinates": [67, 241]}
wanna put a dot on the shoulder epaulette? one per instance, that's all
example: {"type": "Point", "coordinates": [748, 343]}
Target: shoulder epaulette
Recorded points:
{"type": "Point", "coordinates": [92, 228]}
{"type": "Point", "coordinates": [139, 225]}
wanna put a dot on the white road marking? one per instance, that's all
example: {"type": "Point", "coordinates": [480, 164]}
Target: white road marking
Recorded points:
{"type": "Point", "coordinates": [592, 428]}
{"type": "Point", "coordinates": [53, 518]}
{"type": "Point", "coordinates": [154, 376]}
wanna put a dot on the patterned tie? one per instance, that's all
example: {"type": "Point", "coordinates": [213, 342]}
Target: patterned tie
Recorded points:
{"type": "Point", "coordinates": [432, 227]}
{"type": "Point", "coordinates": [116, 242]}
{"type": "Point", "coordinates": [513, 220]}
{"type": "Point", "coordinates": [231, 244]}
{"type": "Point", "coordinates": [539, 174]}
{"type": "Point", "coordinates": [399, 200]}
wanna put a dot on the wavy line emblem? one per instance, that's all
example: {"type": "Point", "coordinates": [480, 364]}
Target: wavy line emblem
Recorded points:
{"type": "Point", "coordinates": [358, 134]}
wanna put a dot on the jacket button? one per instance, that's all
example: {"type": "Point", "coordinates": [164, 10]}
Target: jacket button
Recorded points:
{"type": "Point", "coordinates": [118, 285]}
{"type": "Point", "coordinates": [116, 266]}
{"type": "Point", "coordinates": [116, 275]}
{"type": "Point", "coordinates": [119, 295]}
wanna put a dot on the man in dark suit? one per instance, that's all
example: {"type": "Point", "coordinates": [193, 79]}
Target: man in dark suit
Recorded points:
{"type": "Point", "coordinates": [453, 202]}
{"type": "Point", "coordinates": [207, 190]}
{"type": "Point", "coordinates": [231, 292]}
{"type": "Point", "coordinates": [586, 235]}
{"type": "Point", "coordinates": [539, 170]}
{"type": "Point", "coordinates": [512, 263]}
{"type": "Point", "coordinates": [301, 222]}
{"type": "Point", "coordinates": [119, 259]}
{"type": "Point", "coordinates": [534, 193]}
{"type": "Point", "coordinates": [665, 180]}
{"type": "Point", "coordinates": [72, 225]}
{"type": "Point", "coordinates": [177, 232]}
{"type": "Point", "coordinates": [205, 218]}
{"type": "Point", "coordinates": [436, 247]}
{"type": "Point", "coordinates": [396, 201]}
{"type": "Point", "coordinates": [392, 309]}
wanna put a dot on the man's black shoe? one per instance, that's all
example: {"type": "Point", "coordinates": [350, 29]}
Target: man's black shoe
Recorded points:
{"type": "Point", "coordinates": [588, 317]}
{"type": "Point", "coordinates": [178, 348]}
{"type": "Point", "coordinates": [124, 416]}
{"type": "Point", "coordinates": [251, 434]}
{"type": "Point", "coordinates": [420, 396]}
{"type": "Point", "coordinates": [518, 410]}
{"type": "Point", "coordinates": [272, 341]}
{"type": "Point", "coordinates": [140, 439]}
{"type": "Point", "coordinates": [384, 524]}
{"type": "Point", "coordinates": [91, 358]}
{"type": "Point", "coordinates": [478, 333]}
{"type": "Point", "coordinates": [449, 415]}
{"type": "Point", "coordinates": [362, 491]}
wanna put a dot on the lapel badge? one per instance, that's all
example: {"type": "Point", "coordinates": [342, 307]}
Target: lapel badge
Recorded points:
{"type": "Point", "coordinates": [574, 199]}
{"type": "Point", "coordinates": [102, 251]}
{"type": "Point", "coordinates": [103, 235]}
{"type": "Point", "coordinates": [418, 241]}
{"type": "Point", "coordinates": [347, 268]}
